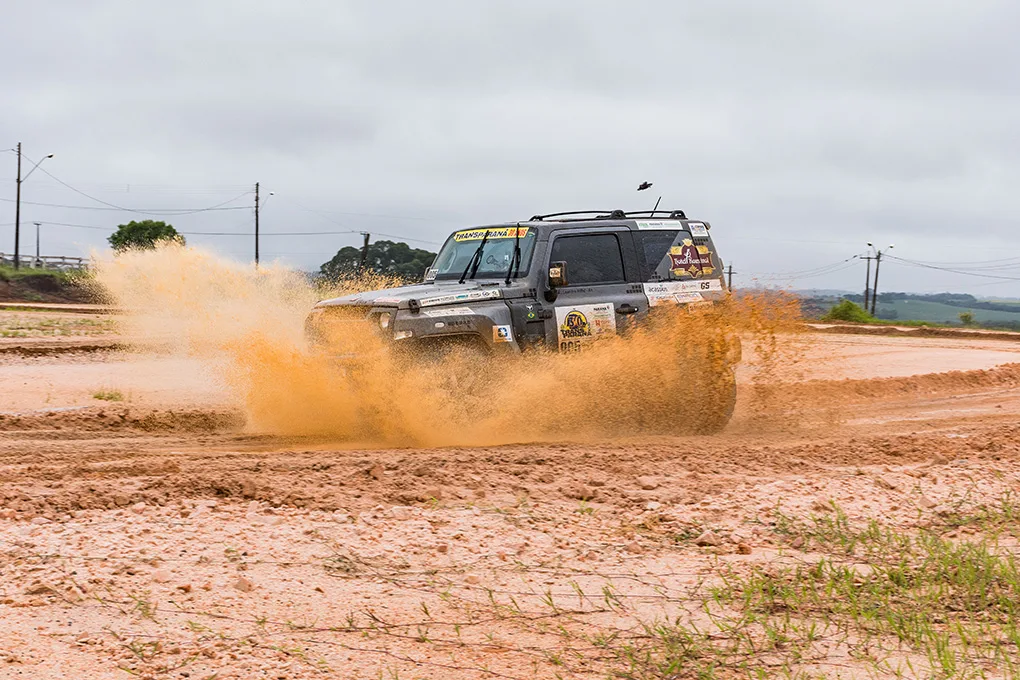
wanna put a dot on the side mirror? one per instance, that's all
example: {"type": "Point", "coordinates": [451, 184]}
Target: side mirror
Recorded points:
{"type": "Point", "coordinates": [557, 278]}
{"type": "Point", "coordinates": [557, 274]}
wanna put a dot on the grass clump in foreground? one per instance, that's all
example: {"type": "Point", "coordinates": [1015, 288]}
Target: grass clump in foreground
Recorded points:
{"type": "Point", "coordinates": [108, 395]}
{"type": "Point", "coordinates": [861, 600]}
{"type": "Point", "coordinates": [875, 600]}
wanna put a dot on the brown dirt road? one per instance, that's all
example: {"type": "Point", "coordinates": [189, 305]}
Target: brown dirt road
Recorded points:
{"type": "Point", "coordinates": [155, 537]}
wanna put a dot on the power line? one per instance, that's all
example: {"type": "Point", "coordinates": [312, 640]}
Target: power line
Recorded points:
{"type": "Point", "coordinates": [245, 233]}
{"type": "Point", "coordinates": [952, 271]}
{"type": "Point", "coordinates": [131, 188]}
{"type": "Point", "coordinates": [808, 273]}
{"type": "Point", "coordinates": [79, 226]}
{"type": "Point", "coordinates": [114, 206]}
{"type": "Point", "coordinates": [159, 212]}
{"type": "Point", "coordinates": [971, 262]}
{"type": "Point", "coordinates": [361, 231]}
{"type": "Point", "coordinates": [321, 213]}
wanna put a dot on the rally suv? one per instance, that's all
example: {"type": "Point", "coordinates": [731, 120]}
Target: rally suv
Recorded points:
{"type": "Point", "coordinates": [560, 281]}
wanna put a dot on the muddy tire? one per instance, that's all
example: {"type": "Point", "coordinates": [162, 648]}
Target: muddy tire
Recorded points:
{"type": "Point", "coordinates": [462, 364]}
{"type": "Point", "coordinates": [718, 405]}
{"type": "Point", "coordinates": [710, 365]}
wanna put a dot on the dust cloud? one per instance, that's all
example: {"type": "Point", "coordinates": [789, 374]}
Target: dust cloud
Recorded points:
{"type": "Point", "coordinates": [673, 375]}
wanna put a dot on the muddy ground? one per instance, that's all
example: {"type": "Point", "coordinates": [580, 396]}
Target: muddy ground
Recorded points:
{"type": "Point", "coordinates": [146, 532]}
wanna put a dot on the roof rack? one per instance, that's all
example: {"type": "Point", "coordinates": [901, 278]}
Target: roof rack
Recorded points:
{"type": "Point", "coordinates": [608, 215]}
{"type": "Point", "coordinates": [598, 215]}
{"type": "Point", "coordinates": [670, 214]}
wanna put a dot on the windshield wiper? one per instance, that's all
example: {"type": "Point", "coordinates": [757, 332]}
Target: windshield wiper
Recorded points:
{"type": "Point", "coordinates": [516, 257]}
{"type": "Point", "coordinates": [475, 260]}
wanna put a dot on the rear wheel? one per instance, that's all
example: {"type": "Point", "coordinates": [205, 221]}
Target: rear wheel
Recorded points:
{"type": "Point", "coordinates": [707, 355]}
{"type": "Point", "coordinates": [718, 403]}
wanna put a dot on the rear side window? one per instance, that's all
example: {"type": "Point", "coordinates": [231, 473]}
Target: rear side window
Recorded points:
{"type": "Point", "coordinates": [670, 255]}
{"type": "Point", "coordinates": [653, 246]}
{"type": "Point", "coordinates": [590, 258]}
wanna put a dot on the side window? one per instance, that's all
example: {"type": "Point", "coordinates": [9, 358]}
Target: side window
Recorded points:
{"type": "Point", "coordinates": [653, 246]}
{"type": "Point", "coordinates": [590, 258]}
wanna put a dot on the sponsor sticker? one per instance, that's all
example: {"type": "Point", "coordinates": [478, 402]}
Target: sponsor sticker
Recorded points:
{"type": "Point", "coordinates": [454, 311]}
{"type": "Point", "coordinates": [460, 297]}
{"type": "Point", "coordinates": [502, 334]}
{"type": "Point", "coordinates": [659, 224]}
{"type": "Point", "coordinates": [679, 292]}
{"type": "Point", "coordinates": [479, 234]}
{"type": "Point", "coordinates": [697, 229]}
{"type": "Point", "coordinates": [581, 324]}
{"type": "Point", "coordinates": [691, 260]}
{"type": "Point", "coordinates": [672, 287]}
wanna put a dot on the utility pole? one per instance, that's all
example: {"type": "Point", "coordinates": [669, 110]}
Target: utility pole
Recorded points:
{"type": "Point", "coordinates": [256, 224]}
{"type": "Point", "coordinates": [364, 250]}
{"type": "Point", "coordinates": [38, 260]}
{"type": "Point", "coordinates": [729, 278]}
{"type": "Point", "coordinates": [17, 215]}
{"type": "Point", "coordinates": [17, 205]}
{"type": "Point", "coordinates": [867, 281]}
{"type": "Point", "coordinates": [874, 289]}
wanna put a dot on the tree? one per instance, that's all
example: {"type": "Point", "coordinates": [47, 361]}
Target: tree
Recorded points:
{"type": "Point", "coordinates": [967, 318]}
{"type": "Point", "coordinates": [384, 257]}
{"type": "Point", "coordinates": [848, 311]}
{"type": "Point", "coordinates": [145, 234]}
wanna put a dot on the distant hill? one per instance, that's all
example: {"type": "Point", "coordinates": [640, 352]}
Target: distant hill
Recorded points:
{"type": "Point", "coordinates": [822, 292]}
{"type": "Point", "coordinates": [940, 308]}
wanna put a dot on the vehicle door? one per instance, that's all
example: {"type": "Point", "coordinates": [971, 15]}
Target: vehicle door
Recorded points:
{"type": "Point", "coordinates": [602, 291]}
{"type": "Point", "coordinates": [678, 263]}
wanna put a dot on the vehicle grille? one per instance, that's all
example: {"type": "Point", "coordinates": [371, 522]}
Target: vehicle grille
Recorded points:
{"type": "Point", "coordinates": [344, 313]}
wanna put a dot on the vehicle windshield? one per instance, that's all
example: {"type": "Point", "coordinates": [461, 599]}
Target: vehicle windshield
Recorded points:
{"type": "Point", "coordinates": [455, 255]}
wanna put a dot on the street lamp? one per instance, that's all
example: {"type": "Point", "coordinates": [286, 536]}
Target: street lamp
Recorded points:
{"type": "Point", "coordinates": [17, 206]}
{"type": "Point", "coordinates": [38, 260]}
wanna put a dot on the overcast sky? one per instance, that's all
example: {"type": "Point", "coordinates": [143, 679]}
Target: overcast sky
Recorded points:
{"type": "Point", "coordinates": [799, 129]}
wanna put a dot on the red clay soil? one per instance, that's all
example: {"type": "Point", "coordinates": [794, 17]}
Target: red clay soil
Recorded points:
{"type": "Point", "coordinates": [169, 542]}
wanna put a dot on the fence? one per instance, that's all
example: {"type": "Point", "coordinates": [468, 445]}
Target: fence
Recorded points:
{"type": "Point", "coordinates": [62, 262]}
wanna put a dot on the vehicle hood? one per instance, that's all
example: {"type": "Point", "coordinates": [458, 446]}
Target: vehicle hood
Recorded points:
{"type": "Point", "coordinates": [430, 294]}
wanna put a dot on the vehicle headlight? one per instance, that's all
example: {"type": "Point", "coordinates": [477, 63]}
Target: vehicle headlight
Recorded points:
{"type": "Point", "coordinates": [403, 335]}
{"type": "Point", "coordinates": [384, 320]}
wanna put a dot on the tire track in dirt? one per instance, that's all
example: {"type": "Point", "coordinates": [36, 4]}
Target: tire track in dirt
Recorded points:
{"type": "Point", "coordinates": [107, 457]}
{"type": "Point", "coordinates": [89, 475]}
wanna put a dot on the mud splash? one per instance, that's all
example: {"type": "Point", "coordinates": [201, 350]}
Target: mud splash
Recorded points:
{"type": "Point", "coordinates": [674, 375]}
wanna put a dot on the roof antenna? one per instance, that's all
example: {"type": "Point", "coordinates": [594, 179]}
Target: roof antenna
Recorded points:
{"type": "Point", "coordinates": [648, 185]}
